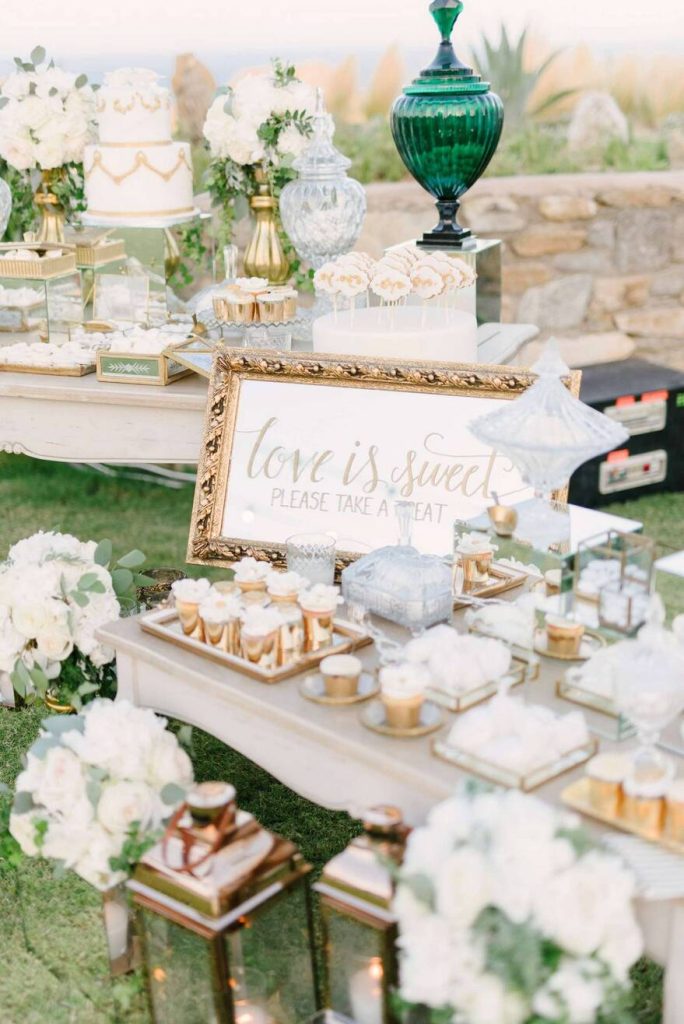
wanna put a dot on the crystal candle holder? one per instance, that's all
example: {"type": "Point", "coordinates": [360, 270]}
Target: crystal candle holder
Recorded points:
{"type": "Point", "coordinates": [312, 555]}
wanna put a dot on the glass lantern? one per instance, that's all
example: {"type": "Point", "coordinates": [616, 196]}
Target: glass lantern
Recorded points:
{"type": "Point", "coordinates": [614, 571]}
{"type": "Point", "coordinates": [323, 209]}
{"type": "Point", "coordinates": [356, 892]}
{"type": "Point", "coordinates": [225, 916]}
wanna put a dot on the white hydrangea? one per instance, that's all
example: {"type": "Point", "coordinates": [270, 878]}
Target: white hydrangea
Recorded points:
{"type": "Point", "coordinates": [47, 120]}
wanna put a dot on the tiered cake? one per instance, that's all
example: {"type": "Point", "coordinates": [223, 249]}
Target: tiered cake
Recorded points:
{"type": "Point", "coordinates": [136, 173]}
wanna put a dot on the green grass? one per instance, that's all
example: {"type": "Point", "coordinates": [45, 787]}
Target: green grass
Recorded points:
{"type": "Point", "coordinates": [54, 967]}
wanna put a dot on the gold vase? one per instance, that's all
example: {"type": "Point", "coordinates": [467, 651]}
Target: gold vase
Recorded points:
{"type": "Point", "coordinates": [172, 253]}
{"type": "Point", "coordinates": [54, 704]}
{"type": "Point", "coordinates": [265, 256]}
{"type": "Point", "coordinates": [52, 214]}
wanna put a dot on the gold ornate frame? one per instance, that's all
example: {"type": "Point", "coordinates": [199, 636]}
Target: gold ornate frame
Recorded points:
{"type": "Point", "coordinates": [206, 546]}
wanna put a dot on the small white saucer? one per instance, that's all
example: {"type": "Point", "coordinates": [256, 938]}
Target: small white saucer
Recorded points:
{"type": "Point", "coordinates": [313, 688]}
{"type": "Point", "coordinates": [373, 717]}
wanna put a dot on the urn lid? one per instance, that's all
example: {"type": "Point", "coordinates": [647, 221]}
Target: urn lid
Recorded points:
{"type": "Point", "coordinates": [320, 158]}
{"type": "Point", "coordinates": [446, 74]}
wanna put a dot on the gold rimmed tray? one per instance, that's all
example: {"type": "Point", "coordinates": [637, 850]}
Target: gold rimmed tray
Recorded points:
{"type": "Point", "coordinates": [576, 796]}
{"type": "Point", "coordinates": [514, 677]}
{"type": "Point", "coordinates": [502, 579]}
{"type": "Point", "coordinates": [163, 623]}
{"type": "Point", "coordinates": [592, 641]}
{"type": "Point", "coordinates": [373, 716]}
{"type": "Point", "coordinates": [43, 269]}
{"type": "Point", "coordinates": [569, 689]}
{"type": "Point", "coordinates": [313, 688]}
{"type": "Point", "coordinates": [525, 781]}
{"type": "Point", "coordinates": [52, 371]}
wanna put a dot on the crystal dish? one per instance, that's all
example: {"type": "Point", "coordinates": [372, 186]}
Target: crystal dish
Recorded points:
{"type": "Point", "coordinates": [526, 781]}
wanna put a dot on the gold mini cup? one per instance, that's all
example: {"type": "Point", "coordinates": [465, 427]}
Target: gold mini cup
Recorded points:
{"type": "Point", "coordinates": [645, 813]}
{"type": "Point", "coordinates": [252, 586]}
{"type": "Point", "coordinates": [564, 638]}
{"type": "Point", "coordinates": [674, 817]}
{"type": "Point", "coordinates": [340, 685]}
{"type": "Point", "coordinates": [271, 309]}
{"type": "Point", "coordinates": [243, 311]}
{"type": "Point", "coordinates": [189, 618]}
{"type": "Point", "coordinates": [476, 568]}
{"type": "Point", "coordinates": [260, 649]}
{"type": "Point", "coordinates": [290, 635]}
{"type": "Point", "coordinates": [403, 712]}
{"type": "Point", "coordinates": [318, 629]}
{"type": "Point", "coordinates": [223, 635]}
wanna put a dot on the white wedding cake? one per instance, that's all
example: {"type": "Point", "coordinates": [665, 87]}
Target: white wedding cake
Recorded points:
{"type": "Point", "coordinates": [404, 332]}
{"type": "Point", "coordinates": [136, 173]}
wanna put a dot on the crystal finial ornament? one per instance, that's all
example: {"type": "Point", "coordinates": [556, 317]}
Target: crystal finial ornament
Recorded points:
{"type": "Point", "coordinates": [323, 209]}
{"type": "Point", "coordinates": [547, 433]}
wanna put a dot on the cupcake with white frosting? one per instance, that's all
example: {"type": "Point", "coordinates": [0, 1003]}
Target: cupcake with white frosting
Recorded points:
{"type": "Point", "coordinates": [220, 616]}
{"type": "Point", "coordinates": [285, 587]}
{"type": "Point", "coordinates": [250, 575]}
{"type": "Point", "coordinates": [402, 691]}
{"type": "Point", "coordinates": [259, 636]}
{"type": "Point", "coordinates": [189, 595]}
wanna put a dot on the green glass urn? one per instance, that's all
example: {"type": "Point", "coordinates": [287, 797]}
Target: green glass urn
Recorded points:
{"type": "Point", "coordinates": [446, 126]}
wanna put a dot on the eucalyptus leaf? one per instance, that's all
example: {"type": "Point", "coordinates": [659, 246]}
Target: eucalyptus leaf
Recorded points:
{"type": "Point", "coordinates": [132, 560]}
{"type": "Point", "coordinates": [93, 791]}
{"type": "Point", "coordinates": [53, 91]}
{"type": "Point", "coordinates": [172, 794]}
{"type": "Point", "coordinates": [39, 679]}
{"type": "Point", "coordinates": [103, 553]}
{"type": "Point", "coordinates": [23, 802]}
{"type": "Point", "coordinates": [19, 62]}
{"type": "Point", "coordinates": [38, 54]}
{"type": "Point", "coordinates": [81, 81]}
{"type": "Point", "coordinates": [21, 680]}
{"type": "Point", "coordinates": [86, 688]}
{"type": "Point", "coordinates": [422, 888]}
{"type": "Point", "coordinates": [59, 724]}
{"type": "Point", "coordinates": [59, 870]}
{"type": "Point", "coordinates": [80, 599]}
{"type": "Point", "coordinates": [87, 579]}
{"type": "Point", "coordinates": [43, 744]}
{"type": "Point", "coordinates": [122, 581]}
{"type": "Point", "coordinates": [4, 100]}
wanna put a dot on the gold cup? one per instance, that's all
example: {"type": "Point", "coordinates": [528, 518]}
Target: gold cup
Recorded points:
{"type": "Point", "coordinates": [338, 684]}
{"type": "Point", "coordinates": [476, 568]}
{"type": "Point", "coordinates": [290, 636]}
{"type": "Point", "coordinates": [318, 629]}
{"type": "Point", "coordinates": [252, 586]}
{"type": "Point", "coordinates": [674, 818]}
{"type": "Point", "coordinates": [271, 309]}
{"type": "Point", "coordinates": [260, 649]}
{"type": "Point", "coordinates": [503, 519]}
{"type": "Point", "coordinates": [188, 616]}
{"type": "Point", "coordinates": [605, 797]}
{"type": "Point", "coordinates": [282, 599]}
{"type": "Point", "coordinates": [226, 587]}
{"type": "Point", "coordinates": [564, 637]}
{"type": "Point", "coordinates": [224, 635]}
{"type": "Point", "coordinates": [243, 311]}
{"type": "Point", "coordinates": [403, 712]}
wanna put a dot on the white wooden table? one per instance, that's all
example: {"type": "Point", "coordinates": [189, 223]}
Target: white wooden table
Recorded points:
{"type": "Point", "coordinates": [328, 757]}
{"type": "Point", "coordinates": [80, 419]}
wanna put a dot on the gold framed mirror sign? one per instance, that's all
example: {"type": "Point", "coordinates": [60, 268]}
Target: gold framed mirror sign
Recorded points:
{"type": "Point", "coordinates": [311, 443]}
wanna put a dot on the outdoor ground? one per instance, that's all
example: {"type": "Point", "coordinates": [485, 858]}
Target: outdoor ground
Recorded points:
{"type": "Point", "coordinates": [51, 940]}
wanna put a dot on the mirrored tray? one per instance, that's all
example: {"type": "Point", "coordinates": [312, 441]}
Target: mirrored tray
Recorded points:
{"type": "Point", "coordinates": [568, 688]}
{"type": "Point", "coordinates": [164, 624]}
{"type": "Point", "coordinates": [513, 780]}
{"type": "Point", "coordinates": [576, 796]}
{"type": "Point", "coordinates": [461, 702]}
{"type": "Point", "coordinates": [502, 579]}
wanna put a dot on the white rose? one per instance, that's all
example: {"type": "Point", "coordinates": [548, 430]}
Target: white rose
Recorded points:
{"type": "Point", "coordinates": [168, 762]}
{"type": "Point", "coordinates": [68, 837]}
{"type": "Point", "coordinates": [93, 866]}
{"type": "Point", "coordinates": [123, 803]}
{"type": "Point", "coordinates": [486, 1001]}
{"type": "Point", "coordinates": [426, 961]}
{"type": "Point", "coordinates": [23, 828]}
{"type": "Point", "coordinates": [291, 141]}
{"type": "Point", "coordinates": [34, 112]}
{"type": "Point", "coordinates": [11, 642]}
{"type": "Point", "coordinates": [572, 994]}
{"type": "Point", "coordinates": [463, 887]}
{"type": "Point", "coordinates": [54, 78]}
{"type": "Point", "coordinates": [55, 642]}
{"type": "Point", "coordinates": [407, 907]}
{"type": "Point", "coordinates": [51, 153]}
{"type": "Point", "coordinates": [427, 849]}
{"type": "Point", "coordinates": [117, 737]}
{"type": "Point", "coordinates": [33, 617]}
{"type": "Point", "coordinates": [16, 147]}
{"type": "Point", "coordinates": [624, 944]}
{"type": "Point", "coordinates": [16, 86]}
{"type": "Point", "coordinates": [62, 783]}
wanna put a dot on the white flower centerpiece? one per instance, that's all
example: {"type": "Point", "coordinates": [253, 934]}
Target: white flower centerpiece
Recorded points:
{"type": "Point", "coordinates": [47, 116]}
{"type": "Point", "coordinates": [254, 130]}
{"type": "Point", "coordinates": [508, 915]}
{"type": "Point", "coordinates": [97, 789]}
{"type": "Point", "coordinates": [55, 592]}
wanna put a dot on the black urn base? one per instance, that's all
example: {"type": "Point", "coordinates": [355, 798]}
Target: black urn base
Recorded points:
{"type": "Point", "coordinates": [448, 233]}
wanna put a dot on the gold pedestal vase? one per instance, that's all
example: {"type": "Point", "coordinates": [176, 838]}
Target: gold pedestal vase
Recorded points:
{"type": "Point", "coordinates": [265, 256]}
{"type": "Point", "coordinates": [52, 213]}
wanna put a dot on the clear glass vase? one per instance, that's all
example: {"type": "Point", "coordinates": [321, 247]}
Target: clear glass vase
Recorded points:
{"type": "Point", "coordinates": [322, 211]}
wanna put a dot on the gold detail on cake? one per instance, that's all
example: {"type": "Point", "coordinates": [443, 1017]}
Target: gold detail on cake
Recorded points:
{"type": "Point", "coordinates": [141, 213]}
{"type": "Point", "coordinates": [140, 160]}
{"type": "Point", "coordinates": [121, 107]}
{"type": "Point", "coordinates": [131, 145]}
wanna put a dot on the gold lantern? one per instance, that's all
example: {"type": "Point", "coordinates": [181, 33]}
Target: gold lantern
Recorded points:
{"type": "Point", "coordinates": [225, 918]}
{"type": "Point", "coordinates": [356, 891]}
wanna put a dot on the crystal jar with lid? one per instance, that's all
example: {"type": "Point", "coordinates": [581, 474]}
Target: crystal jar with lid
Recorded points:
{"type": "Point", "coordinates": [323, 209]}
{"type": "Point", "coordinates": [398, 583]}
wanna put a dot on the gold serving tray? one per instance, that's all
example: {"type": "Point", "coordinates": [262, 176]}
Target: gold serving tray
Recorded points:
{"type": "Point", "coordinates": [576, 795]}
{"type": "Point", "coordinates": [37, 270]}
{"type": "Point", "coordinates": [163, 623]}
{"type": "Point", "coordinates": [515, 676]}
{"type": "Point", "coordinates": [514, 780]}
{"type": "Point", "coordinates": [504, 579]}
{"type": "Point", "coordinates": [52, 371]}
{"type": "Point", "coordinates": [97, 255]}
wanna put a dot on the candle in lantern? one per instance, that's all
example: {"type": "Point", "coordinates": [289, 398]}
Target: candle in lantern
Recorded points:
{"type": "Point", "coordinates": [116, 927]}
{"type": "Point", "coordinates": [365, 993]}
{"type": "Point", "coordinates": [246, 1013]}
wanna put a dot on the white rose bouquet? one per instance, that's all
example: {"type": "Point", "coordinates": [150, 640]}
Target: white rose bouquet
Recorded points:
{"type": "Point", "coordinates": [262, 122]}
{"type": "Point", "coordinates": [55, 592]}
{"type": "Point", "coordinates": [508, 915]}
{"type": "Point", "coordinates": [98, 788]}
{"type": "Point", "coordinates": [47, 116]}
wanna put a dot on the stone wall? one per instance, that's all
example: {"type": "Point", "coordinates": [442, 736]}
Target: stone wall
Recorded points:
{"type": "Point", "coordinates": [595, 259]}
